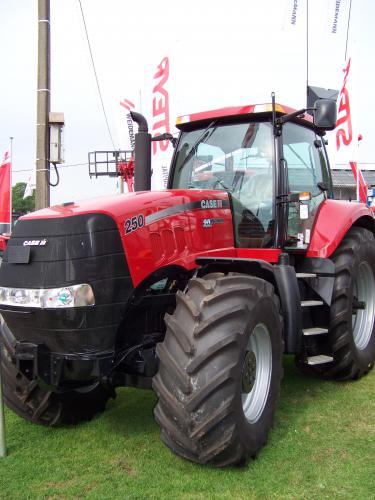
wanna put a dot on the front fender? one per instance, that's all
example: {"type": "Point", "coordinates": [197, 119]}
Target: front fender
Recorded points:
{"type": "Point", "coordinates": [334, 219]}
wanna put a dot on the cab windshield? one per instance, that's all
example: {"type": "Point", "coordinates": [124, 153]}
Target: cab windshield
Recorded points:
{"type": "Point", "coordinates": [236, 158]}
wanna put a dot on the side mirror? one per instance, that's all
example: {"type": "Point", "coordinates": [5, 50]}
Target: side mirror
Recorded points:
{"type": "Point", "coordinates": [325, 114]}
{"type": "Point", "coordinates": [166, 137]}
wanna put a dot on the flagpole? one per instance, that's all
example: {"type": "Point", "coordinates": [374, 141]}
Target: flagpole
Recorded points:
{"type": "Point", "coordinates": [307, 45]}
{"type": "Point", "coordinates": [358, 195]}
{"type": "Point", "coordinates": [3, 450]}
{"type": "Point", "coordinates": [11, 180]}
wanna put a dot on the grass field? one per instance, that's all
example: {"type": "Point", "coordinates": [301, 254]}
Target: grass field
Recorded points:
{"type": "Point", "coordinates": [322, 446]}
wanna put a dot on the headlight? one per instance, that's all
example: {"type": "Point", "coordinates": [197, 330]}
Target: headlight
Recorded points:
{"type": "Point", "coordinates": [51, 298]}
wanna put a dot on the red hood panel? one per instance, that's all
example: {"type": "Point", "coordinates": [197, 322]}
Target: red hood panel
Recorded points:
{"type": "Point", "coordinates": [113, 205]}
{"type": "Point", "coordinates": [161, 228]}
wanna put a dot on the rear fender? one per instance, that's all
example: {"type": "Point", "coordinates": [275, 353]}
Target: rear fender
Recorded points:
{"type": "Point", "coordinates": [282, 276]}
{"type": "Point", "coordinates": [333, 221]}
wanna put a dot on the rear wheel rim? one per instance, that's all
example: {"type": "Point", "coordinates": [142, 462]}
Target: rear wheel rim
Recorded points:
{"type": "Point", "coordinates": [256, 373]}
{"type": "Point", "coordinates": [363, 319]}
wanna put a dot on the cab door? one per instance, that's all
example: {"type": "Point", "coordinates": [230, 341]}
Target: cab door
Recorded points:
{"type": "Point", "coordinates": [307, 172]}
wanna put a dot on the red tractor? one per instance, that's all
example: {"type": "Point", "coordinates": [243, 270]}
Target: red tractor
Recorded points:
{"type": "Point", "coordinates": [4, 238]}
{"type": "Point", "coordinates": [196, 291]}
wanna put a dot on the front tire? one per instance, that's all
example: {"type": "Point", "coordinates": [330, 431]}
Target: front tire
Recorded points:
{"type": "Point", "coordinates": [39, 405]}
{"type": "Point", "coordinates": [220, 369]}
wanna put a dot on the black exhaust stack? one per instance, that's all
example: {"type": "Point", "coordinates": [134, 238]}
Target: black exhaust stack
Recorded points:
{"type": "Point", "coordinates": [142, 153]}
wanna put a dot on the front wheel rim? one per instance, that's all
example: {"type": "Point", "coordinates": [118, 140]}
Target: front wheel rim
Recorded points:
{"type": "Point", "coordinates": [363, 319]}
{"type": "Point", "coordinates": [256, 373]}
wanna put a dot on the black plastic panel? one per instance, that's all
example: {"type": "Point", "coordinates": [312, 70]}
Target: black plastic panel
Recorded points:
{"type": "Point", "coordinates": [77, 249]}
{"type": "Point", "coordinates": [76, 224]}
{"type": "Point", "coordinates": [18, 255]}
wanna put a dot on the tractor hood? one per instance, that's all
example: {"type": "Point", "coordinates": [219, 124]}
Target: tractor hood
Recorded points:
{"type": "Point", "coordinates": [105, 248]}
{"type": "Point", "coordinates": [157, 228]}
{"type": "Point", "coordinates": [120, 205]}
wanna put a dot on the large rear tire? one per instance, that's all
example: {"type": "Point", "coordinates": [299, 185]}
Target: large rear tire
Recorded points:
{"type": "Point", "coordinates": [351, 335]}
{"type": "Point", "coordinates": [220, 369]}
{"type": "Point", "coordinates": [39, 405]}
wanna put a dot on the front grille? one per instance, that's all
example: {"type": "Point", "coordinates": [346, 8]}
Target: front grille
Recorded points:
{"type": "Point", "coordinates": [78, 249]}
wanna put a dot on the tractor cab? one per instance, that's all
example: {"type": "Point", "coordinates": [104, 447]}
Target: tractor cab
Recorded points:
{"type": "Point", "coordinates": [275, 171]}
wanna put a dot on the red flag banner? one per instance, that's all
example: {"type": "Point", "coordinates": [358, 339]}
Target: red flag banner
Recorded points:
{"type": "Point", "coordinates": [360, 182]}
{"type": "Point", "coordinates": [161, 150]}
{"type": "Point", "coordinates": [346, 131]}
{"type": "Point", "coordinates": [5, 176]}
{"type": "Point", "coordinates": [129, 105]}
{"type": "Point", "coordinates": [160, 105]}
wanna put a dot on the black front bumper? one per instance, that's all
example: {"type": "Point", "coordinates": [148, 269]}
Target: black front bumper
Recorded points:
{"type": "Point", "coordinates": [61, 371]}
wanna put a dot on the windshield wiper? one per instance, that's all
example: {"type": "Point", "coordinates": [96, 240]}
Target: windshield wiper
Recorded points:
{"type": "Point", "coordinates": [204, 136]}
{"type": "Point", "coordinates": [221, 182]}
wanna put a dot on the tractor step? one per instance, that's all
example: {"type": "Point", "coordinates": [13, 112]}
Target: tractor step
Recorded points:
{"type": "Point", "coordinates": [321, 359]}
{"type": "Point", "coordinates": [316, 330]}
{"type": "Point", "coordinates": [311, 303]}
{"type": "Point", "coordinates": [306, 275]}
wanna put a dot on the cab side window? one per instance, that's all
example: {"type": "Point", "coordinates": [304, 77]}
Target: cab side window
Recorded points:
{"type": "Point", "coordinates": [307, 169]}
{"type": "Point", "coordinates": [303, 159]}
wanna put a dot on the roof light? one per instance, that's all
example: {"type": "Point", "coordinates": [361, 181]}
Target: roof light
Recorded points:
{"type": "Point", "coordinates": [183, 119]}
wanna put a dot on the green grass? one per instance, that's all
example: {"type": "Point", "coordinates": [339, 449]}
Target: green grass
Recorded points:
{"type": "Point", "coordinates": [322, 446]}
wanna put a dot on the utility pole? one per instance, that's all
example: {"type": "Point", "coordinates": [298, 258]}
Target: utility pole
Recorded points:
{"type": "Point", "coordinates": [42, 198]}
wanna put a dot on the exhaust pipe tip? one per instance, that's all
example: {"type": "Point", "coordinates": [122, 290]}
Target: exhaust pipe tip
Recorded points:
{"type": "Point", "coordinates": [142, 154]}
{"type": "Point", "coordinates": [140, 120]}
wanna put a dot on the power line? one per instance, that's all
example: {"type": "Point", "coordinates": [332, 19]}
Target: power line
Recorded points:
{"type": "Point", "coordinates": [85, 164]}
{"type": "Point", "coordinates": [42, 169]}
{"type": "Point", "coordinates": [307, 43]}
{"type": "Point", "coordinates": [347, 29]}
{"type": "Point", "coordinates": [96, 76]}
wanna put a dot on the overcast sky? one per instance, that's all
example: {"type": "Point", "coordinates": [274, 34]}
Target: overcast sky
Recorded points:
{"type": "Point", "coordinates": [220, 54]}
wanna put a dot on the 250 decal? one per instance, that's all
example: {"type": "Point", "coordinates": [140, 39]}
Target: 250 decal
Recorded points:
{"type": "Point", "coordinates": [134, 223]}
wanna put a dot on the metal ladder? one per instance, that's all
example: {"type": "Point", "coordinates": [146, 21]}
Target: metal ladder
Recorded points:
{"type": "Point", "coordinates": [319, 359]}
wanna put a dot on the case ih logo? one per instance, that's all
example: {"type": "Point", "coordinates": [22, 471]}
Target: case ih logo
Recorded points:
{"type": "Point", "coordinates": [212, 204]}
{"type": "Point", "coordinates": [35, 243]}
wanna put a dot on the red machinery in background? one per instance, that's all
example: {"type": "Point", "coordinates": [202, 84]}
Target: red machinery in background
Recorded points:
{"type": "Point", "coordinates": [113, 164]}
{"type": "Point", "coordinates": [3, 242]}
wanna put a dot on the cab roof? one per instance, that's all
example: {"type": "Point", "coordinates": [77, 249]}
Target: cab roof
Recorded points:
{"type": "Point", "coordinates": [233, 112]}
